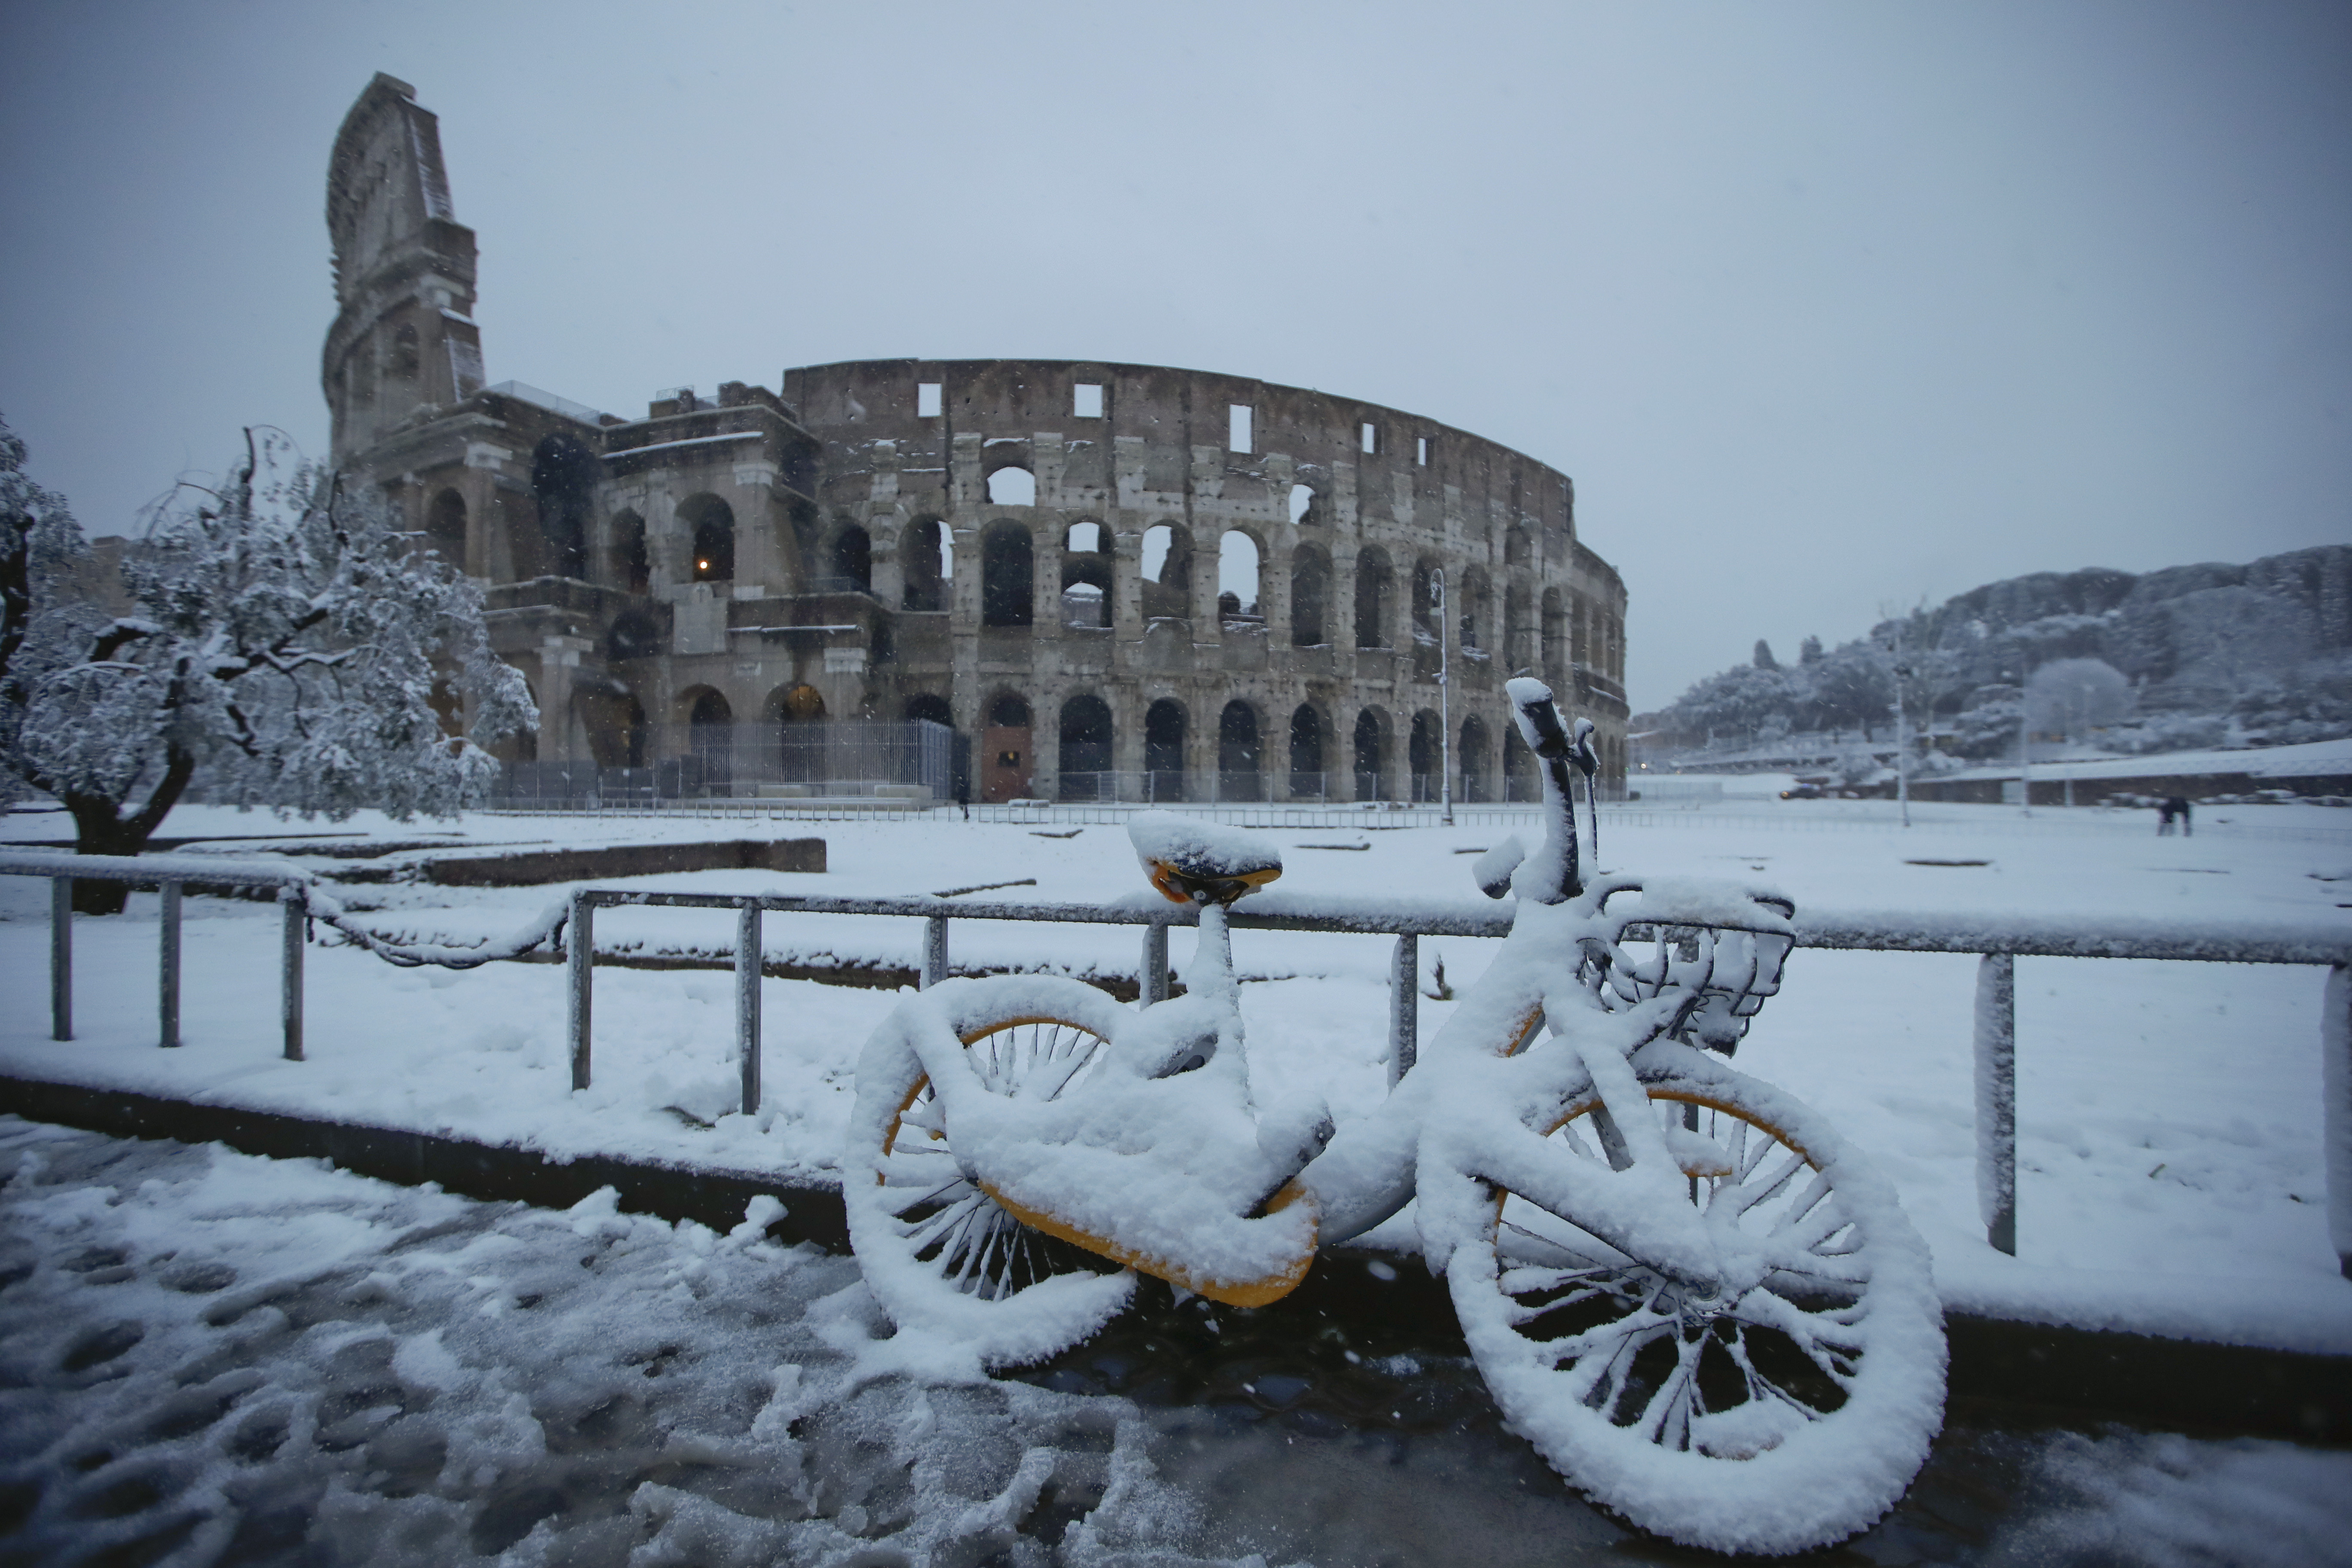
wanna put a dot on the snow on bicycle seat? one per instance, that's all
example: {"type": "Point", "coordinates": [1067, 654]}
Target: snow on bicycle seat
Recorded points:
{"type": "Point", "coordinates": [1192, 862]}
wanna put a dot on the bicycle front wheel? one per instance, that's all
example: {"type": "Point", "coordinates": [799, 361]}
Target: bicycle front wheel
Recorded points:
{"type": "Point", "coordinates": [1782, 1417]}
{"type": "Point", "coordinates": [938, 1254]}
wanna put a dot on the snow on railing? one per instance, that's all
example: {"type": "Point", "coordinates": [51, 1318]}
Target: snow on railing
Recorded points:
{"type": "Point", "coordinates": [1998, 944]}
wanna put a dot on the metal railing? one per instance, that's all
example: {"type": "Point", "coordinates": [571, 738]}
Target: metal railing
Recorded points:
{"type": "Point", "coordinates": [1997, 950]}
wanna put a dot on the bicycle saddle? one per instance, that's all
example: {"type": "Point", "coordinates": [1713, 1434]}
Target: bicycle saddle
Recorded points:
{"type": "Point", "coordinates": [1196, 862]}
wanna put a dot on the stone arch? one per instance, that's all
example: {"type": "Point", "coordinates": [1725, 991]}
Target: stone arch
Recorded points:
{"type": "Point", "coordinates": [1086, 750]}
{"type": "Point", "coordinates": [444, 527]}
{"type": "Point", "coordinates": [1085, 574]}
{"type": "Point", "coordinates": [1520, 783]}
{"type": "Point", "coordinates": [1424, 609]}
{"type": "Point", "coordinates": [1241, 575]}
{"type": "Point", "coordinates": [801, 750]}
{"type": "Point", "coordinates": [634, 633]}
{"type": "Point", "coordinates": [931, 706]}
{"type": "Point", "coordinates": [1010, 483]}
{"type": "Point", "coordinates": [1306, 506]}
{"type": "Point", "coordinates": [849, 560]}
{"type": "Point", "coordinates": [1555, 637]}
{"type": "Point", "coordinates": [709, 738]}
{"type": "Point", "coordinates": [1425, 756]}
{"type": "Point", "coordinates": [1007, 576]}
{"type": "Point", "coordinates": [1164, 723]}
{"type": "Point", "coordinates": [1239, 757]}
{"type": "Point", "coordinates": [1374, 586]}
{"type": "Point", "coordinates": [1311, 741]}
{"type": "Point", "coordinates": [626, 566]}
{"type": "Point", "coordinates": [1473, 760]}
{"type": "Point", "coordinates": [1520, 650]}
{"type": "Point", "coordinates": [797, 704]}
{"type": "Point", "coordinates": [1007, 711]}
{"type": "Point", "coordinates": [1472, 600]}
{"type": "Point", "coordinates": [615, 724]}
{"type": "Point", "coordinates": [563, 477]}
{"type": "Point", "coordinates": [709, 525]}
{"type": "Point", "coordinates": [1310, 596]}
{"type": "Point", "coordinates": [926, 563]}
{"type": "Point", "coordinates": [1371, 747]}
{"type": "Point", "coordinates": [1007, 758]}
{"type": "Point", "coordinates": [1167, 571]}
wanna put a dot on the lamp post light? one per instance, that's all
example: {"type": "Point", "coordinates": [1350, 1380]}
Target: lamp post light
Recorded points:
{"type": "Point", "coordinates": [1444, 704]}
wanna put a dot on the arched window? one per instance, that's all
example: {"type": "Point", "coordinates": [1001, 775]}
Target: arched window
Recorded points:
{"type": "Point", "coordinates": [709, 525]}
{"type": "Point", "coordinates": [634, 635]}
{"type": "Point", "coordinates": [1167, 569]}
{"type": "Point", "coordinates": [1086, 575]}
{"type": "Point", "coordinates": [625, 564]}
{"type": "Point", "coordinates": [1163, 751]}
{"type": "Point", "coordinates": [927, 563]}
{"type": "Point", "coordinates": [853, 561]}
{"type": "Point", "coordinates": [1237, 753]}
{"type": "Point", "coordinates": [404, 356]}
{"type": "Point", "coordinates": [563, 477]}
{"type": "Point", "coordinates": [1470, 599]}
{"type": "Point", "coordinates": [1237, 578]}
{"type": "Point", "coordinates": [1473, 760]}
{"type": "Point", "coordinates": [1013, 486]}
{"type": "Point", "coordinates": [1006, 572]}
{"type": "Point", "coordinates": [926, 705]}
{"type": "Point", "coordinates": [1372, 598]}
{"type": "Point", "coordinates": [1310, 592]}
{"type": "Point", "coordinates": [802, 753]}
{"type": "Point", "coordinates": [1086, 750]}
{"type": "Point", "coordinates": [1306, 753]}
{"type": "Point", "coordinates": [1008, 710]}
{"type": "Point", "coordinates": [1302, 505]}
{"type": "Point", "coordinates": [1371, 757]}
{"type": "Point", "coordinates": [1424, 600]}
{"type": "Point", "coordinates": [1555, 637]}
{"type": "Point", "coordinates": [444, 527]}
{"type": "Point", "coordinates": [1425, 755]}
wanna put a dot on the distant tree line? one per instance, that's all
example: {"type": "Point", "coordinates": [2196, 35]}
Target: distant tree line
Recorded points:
{"type": "Point", "coordinates": [2195, 656]}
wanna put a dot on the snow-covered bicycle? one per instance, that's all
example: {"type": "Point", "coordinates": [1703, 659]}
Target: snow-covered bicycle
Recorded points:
{"type": "Point", "coordinates": [1699, 1302]}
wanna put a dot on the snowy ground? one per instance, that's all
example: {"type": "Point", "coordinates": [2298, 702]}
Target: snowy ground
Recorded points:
{"type": "Point", "coordinates": [210, 1358]}
{"type": "Point", "coordinates": [2170, 1173]}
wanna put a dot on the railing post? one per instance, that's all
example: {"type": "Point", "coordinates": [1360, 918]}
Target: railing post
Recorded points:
{"type": "Point", "coordinates": [1154, 978]}
{"type": "Point", "coordinates": [579, 970]}
{"type": "Point", "coordinates": [61, 958]}
{"type": "Point", "coordinates": [1404, 1007]}
{"type": "Point", "coordinates": [2336, 1116]}
{"type": "Point", "coordinates": [935, 950]}
{"type": "Point", "coordinates": [167, 968]}
{"type": "Point", "coordinates": [747, 1001]}
{"type": "Point", "coordinates": [1996, 1049]}
{"type": "Point", "coordinates": [295, 904]}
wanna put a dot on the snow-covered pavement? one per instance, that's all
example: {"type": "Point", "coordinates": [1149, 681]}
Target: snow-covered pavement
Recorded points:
{"type": "Point", "coordinates": [2170, 1176]}
{"type": "Point", "coordinates": [211, 1358]}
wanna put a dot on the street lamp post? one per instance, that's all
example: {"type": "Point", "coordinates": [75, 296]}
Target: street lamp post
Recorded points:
{"type": "Point", "coordinates": [1445, 703]}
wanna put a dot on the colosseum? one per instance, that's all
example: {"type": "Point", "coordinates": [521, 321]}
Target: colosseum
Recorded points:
{"type": "Point", "coordinates": [1034, 579]}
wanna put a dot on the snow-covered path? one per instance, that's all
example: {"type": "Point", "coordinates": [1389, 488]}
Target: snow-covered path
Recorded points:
{"type": "Point", "coordinates": [207, 1357]}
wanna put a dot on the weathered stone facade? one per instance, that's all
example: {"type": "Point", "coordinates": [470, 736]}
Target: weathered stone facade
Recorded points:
{"type": "Point", "coordinates": [1026, 550]}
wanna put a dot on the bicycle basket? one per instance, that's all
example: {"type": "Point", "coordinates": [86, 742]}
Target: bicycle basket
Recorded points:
{"type": "Point", "coordinates": [1723, 947]}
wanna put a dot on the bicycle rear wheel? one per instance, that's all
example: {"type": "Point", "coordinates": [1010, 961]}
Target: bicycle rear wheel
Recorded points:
{"type": "Point", "coordinates": [1782, 1417]}
{"type": "Point", "coordinates": [938, 1254]}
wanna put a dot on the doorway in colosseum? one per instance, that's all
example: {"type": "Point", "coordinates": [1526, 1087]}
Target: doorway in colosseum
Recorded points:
{"type": "Point", "coordinates": [1004, 748]}
{"type": "Point", "coordinates": [709, 522]}
{"type": "Point", "coordinates": [1371, 756]}
{"type": "Point", "coordinates": [1086, 757]}
{"type": "Point", "coordinates": [1163, 751]}
{"type": "Point", "coordinates": [1307, 777]}
{"type": "Point", "coordinates": [1167, 569]}
{"type": "Point", "coordinates": [853, 561]}
{"type": "Point", "coordinates": [1237, 753]}
{"type": "Point", "coordinates": [1425, 756]}
{"type": "Point", "coordinates": [1475, 783]}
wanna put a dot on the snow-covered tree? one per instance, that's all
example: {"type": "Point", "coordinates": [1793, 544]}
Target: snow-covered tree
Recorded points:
{"type": "Point", "coordinates": [1763, 658]}
{"type": "Point", "coordinates": [2075, 696]}
{"type": "Point", "coordinates": [285, 636]}
{"type": "Point", "coordinates": [40, 545]}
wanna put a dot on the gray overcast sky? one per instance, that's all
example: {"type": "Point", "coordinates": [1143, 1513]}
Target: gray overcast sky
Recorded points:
{"type": "Point", "coordinates": [1824, 305]}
